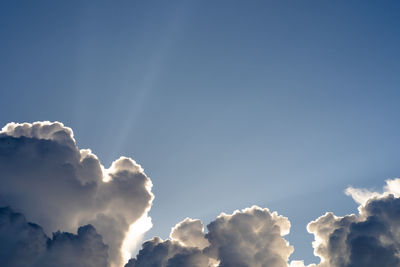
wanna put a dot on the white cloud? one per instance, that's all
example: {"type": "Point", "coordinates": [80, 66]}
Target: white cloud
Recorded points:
{"type": "Point", "coordinates": [53, 183]}
{"type": "Point", "coordinates": [250, 237]}
{"type": "Point", "coordinates": [190, 233]}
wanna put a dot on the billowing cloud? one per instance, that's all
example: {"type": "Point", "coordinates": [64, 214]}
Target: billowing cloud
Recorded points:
{"type": "Point", "coordinates": [58, 187]}
{"type": "Point", "coordinates": [54, 184]}
{"type": "Point", "coordinates": [253, 237]}
{"type": "Point", "coordinates": [190, 233]}
{"type": "Point", "coordinates": [250, 237]}
{"type": "Point", "coordinates": [24, 244]}
{"type": "Point", "coordinates": [157, 252]}
{"type": "Point", "coordinates": [371, 238]}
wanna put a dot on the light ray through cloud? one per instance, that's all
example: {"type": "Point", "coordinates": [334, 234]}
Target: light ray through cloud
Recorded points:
{"type": "Point", "coordinates": [233, 108]}
{"type": "Point", "coordinates": [155, 66]}
{"type": "Point", "coordinates": [135, 235]}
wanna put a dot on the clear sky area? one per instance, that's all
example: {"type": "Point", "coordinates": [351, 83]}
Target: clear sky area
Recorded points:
{"type": "Point", "coordinates": [225, 104]}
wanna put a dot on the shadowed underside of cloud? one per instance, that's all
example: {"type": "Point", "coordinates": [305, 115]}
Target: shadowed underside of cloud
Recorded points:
{"type": "Point", "coordinates": [58, 187]}
{"type": "Point", "coordinates": [24, 244]}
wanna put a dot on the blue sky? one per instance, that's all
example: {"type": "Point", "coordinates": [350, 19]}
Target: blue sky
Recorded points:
{"type": "Point", "coordinates": [225, 104]}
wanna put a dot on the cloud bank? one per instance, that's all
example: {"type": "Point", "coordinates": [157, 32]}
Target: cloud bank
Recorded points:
{"type": "Point", "coordinates": [255, 237]}
{"type": "Point", "coordinates": [59, 206]}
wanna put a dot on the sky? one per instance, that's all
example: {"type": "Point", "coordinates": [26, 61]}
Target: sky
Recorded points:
{"type": "Point", "coordinates": [225, 104]}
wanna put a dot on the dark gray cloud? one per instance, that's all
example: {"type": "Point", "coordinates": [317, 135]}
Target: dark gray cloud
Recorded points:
{"type": "Point", "coordinates": [24, 244]}
{"type": "Point", "coordinates": [250, 237]}
{"type": "Point", "coordinates": [169, 253]}
{"type": "Point", "coordinates": [53, 183]}
{"type": "Point", "coordinates": [370, 239]}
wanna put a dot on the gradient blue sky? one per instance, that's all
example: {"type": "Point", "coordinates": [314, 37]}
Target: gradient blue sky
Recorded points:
{"type": "Point", "coordinates": [225, 104]}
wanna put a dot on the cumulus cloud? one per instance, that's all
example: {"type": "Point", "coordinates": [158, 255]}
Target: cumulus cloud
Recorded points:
{"type": "Point", "coordinates": [250, 237]}
{"type": "Point", "coordinates": [371, 238]}
{"type": "Point", "coordinates": [157, 252]}
{"type": "Point", "coordinates": [57, 186]}
{"type": "Point", "coordinates": [24, 244]}
{"type": "Point", "coordinates": [190, 233]}
{"type": "Point", "coordinates": [254, 237]}
{"type": "Point", "coordinates": [53, 183]}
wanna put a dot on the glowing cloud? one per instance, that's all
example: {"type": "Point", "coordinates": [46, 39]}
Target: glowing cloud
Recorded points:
{"type": "Point", "coordinates": [250, 237]}
{"type": "Point", "coordinates": [48, 185]}
{"type": "Point", "coordinates": [60, 187]}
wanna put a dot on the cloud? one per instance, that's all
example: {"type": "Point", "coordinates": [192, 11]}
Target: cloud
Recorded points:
{"type": "Point", "coordinates": [157, 252]}
{"type": "Point", "coordinates": [250, 237]}
{"type": "Point", "coordinates": [254, 237]}
{"type": "Point", "coordinates": [361, 195]}
{"type": "Point", "coordinates": [371, 238]}
{"type": "Point", "coordinates": [58, 186]}
{"type": "Point", "coordinates": [190, 233]}
{"type": "Point", "coordinates": [24, 244]}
